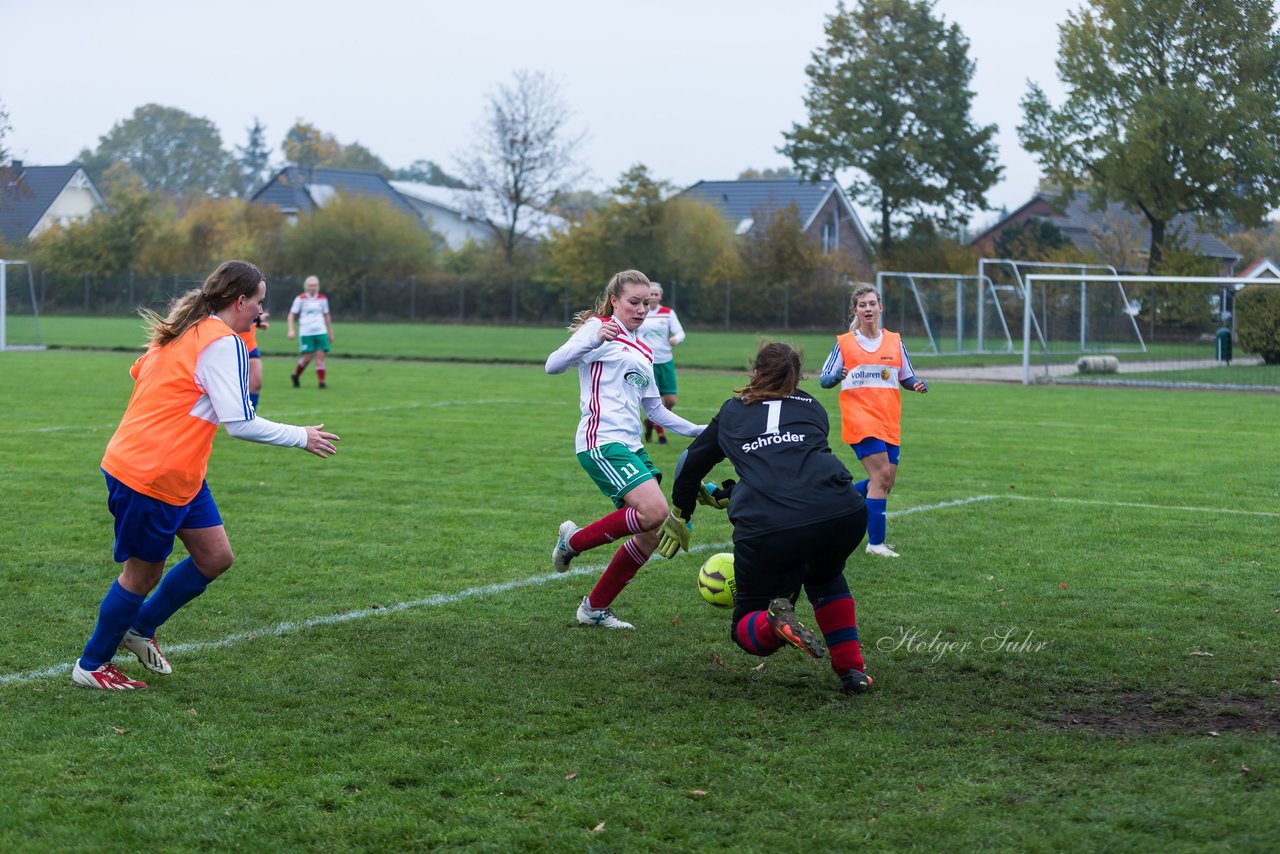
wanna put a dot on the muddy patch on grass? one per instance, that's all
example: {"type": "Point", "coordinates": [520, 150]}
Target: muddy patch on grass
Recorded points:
{"type": "Point", "coordinates": [1137, 713]}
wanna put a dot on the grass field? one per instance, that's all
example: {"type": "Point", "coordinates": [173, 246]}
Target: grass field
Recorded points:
{"type": "Point", "coordinates": [1077, 651]}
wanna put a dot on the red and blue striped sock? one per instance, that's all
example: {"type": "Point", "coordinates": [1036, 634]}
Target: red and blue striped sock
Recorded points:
{"type": "Point", "coordinates": [754, 634]}
{"type": "Point", "coordinates": [626, 562]}
{"type": "Point", "coordinates": [838, 619]}
{"type": "Point", "coordinates": [615, 526]}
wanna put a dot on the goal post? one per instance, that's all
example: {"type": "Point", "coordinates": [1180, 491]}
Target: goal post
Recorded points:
{"type": "Point", "coordinates": [19, 311]}
{"type": "Point", "coordinates": [1187, 327]}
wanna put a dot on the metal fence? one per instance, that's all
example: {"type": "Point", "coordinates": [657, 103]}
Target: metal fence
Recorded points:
{"type": "Point", "coordinates": [445, 299]}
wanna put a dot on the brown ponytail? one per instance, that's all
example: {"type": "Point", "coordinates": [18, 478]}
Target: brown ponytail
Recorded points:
{"type": "Point", "coordinates": [232, 280]}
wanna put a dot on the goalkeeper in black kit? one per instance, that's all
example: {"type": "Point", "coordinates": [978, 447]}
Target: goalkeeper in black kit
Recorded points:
{"type": "Point", "coordinates": [796, 516]}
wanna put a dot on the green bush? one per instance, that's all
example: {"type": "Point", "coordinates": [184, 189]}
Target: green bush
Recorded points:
{"type": "Point", "coordinates": [1258, 321]}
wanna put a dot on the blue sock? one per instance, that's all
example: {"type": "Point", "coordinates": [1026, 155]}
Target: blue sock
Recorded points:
{"type": "Point", "coordinates": [876, 520]}
{"type": "Point", "coordinates": [253, 398]}
{"type": "Point", "coordinates": [178, 587]}
{"type": "Point", "coordinates": [116, 612]}
{"type": "Point", "coordinates": [861, 487]}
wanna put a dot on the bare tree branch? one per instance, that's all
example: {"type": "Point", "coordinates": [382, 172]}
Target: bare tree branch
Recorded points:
{"type": "Point", "coordinates": [523, 158]}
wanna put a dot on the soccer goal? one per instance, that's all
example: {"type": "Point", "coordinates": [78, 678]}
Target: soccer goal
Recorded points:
{"type": "Point", "coordinates": [1195, 331]}
{"type": "Point", "coordinates": [946, 313]}
{"type": "Point", "coordinates": [19, 312]}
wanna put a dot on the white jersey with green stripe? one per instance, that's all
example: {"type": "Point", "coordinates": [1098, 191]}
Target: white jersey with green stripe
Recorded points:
{"type": "Point", "coordinates": [614, 378]}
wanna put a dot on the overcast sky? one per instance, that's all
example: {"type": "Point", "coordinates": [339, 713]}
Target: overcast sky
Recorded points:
{"type": "Point", "coordinates": [694, 89]}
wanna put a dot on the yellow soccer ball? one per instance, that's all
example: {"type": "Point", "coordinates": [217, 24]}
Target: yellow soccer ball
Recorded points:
{"type": "Point", "coordinates": [715, 580]}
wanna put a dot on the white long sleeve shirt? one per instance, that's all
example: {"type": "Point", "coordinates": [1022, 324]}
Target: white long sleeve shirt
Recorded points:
{"type": "Point", "coordinates": [222, 373]}
{"type": "Point", "coordinates": [615, 383]}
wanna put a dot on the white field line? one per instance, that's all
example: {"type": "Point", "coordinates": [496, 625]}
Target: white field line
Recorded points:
{"type": "Point", "coordinates": [491, 589]}
{"type": "Point", "coordinates": [1098, 502]}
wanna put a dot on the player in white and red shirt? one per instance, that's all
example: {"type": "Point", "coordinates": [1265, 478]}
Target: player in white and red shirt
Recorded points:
{"type": "Point", "coordinates": [315, 329]}
{"type": "Point", "coordinates": [661, 330]}
{"type": "Point", "coordinates": [616, 382]}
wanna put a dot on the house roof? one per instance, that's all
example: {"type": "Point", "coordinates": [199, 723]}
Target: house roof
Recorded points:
{"type": "Point", "coordinates": [450, 198]}
{"type": "Point", "coordinates": [741, 201]}
{"type": "Point", "coordinates": [1079, 221]}
{"type": "Point", "coordinates": [1263, 268]}
{"type": "Point", "coordinates": [28, 193]}
{"type": "Point", "coordinates": [294, 191]}
{"type": "Point", "coordinates": [474, 205]}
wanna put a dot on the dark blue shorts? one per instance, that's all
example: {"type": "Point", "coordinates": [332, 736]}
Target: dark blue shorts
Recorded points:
{"type": "Point", "coordinates": [254, 354]}
{"type": "Point", "coordinates": [146, 526]}
{"type": "Point", "coordinates": [867, 447]}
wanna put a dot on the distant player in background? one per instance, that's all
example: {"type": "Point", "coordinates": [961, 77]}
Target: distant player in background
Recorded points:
{"type": "Point", "coordinates": [250, 340]}
{"type": "Point", "coordinates": [795, 518]}
{"type": "Point", "coordinates": [192, 378]}
{"type": "Point", "coordinates": [315, 329]}
{"type": "Point", "coordinates": [869, 364]}
{"type": "Point", "coordinates": [661, 331]}
{"type": "Point", "coordinates": [615, 382]}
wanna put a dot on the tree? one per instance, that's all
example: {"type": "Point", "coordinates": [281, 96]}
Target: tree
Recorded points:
{"type": "Point", "coordinates": [210, 231]}
{"type": "Point", "coordinates": [622, 234]}
{"type": "Point", "coordinates": [889, 97]}
{"type": "Point", "coordinates": [1256, 243]}
{"type": "Point", "coordinates": [254, 159]}
{"type": "Point", "coordinates": [10, 188]}
{"type": "Point", "coordinates": [307, 148]}
{"type": "Point", "coordinates": [356, 156]}
{"type": "Point", "coordinates": [5, 130]}
{"type": "Point", "coordinates": [429, 172]}
{"type": "Point", "coordinates": [173, 153]}
{"type": "Point", "coordinates": [753, 174]}
{"type": "Point", "coordinates": [523, 156]}
{"type": "Point", "coordinates": [671, 239]}
{"type": "Point", "coordinates": [355, 239]}
{"type": "Point", "coordinates": [785, 277]}
{"type": "Point", "coordinates": [1258, 310]}
{"type": "Point", "coordinates": [1172, 107]}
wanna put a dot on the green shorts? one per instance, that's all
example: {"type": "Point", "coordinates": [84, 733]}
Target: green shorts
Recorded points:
{"type": "Point", "coordinates": [617, 469]}
{"type": "Point", "coordinates": [665, 374]}
{"type": "Point", "coordinates": [311, 343]}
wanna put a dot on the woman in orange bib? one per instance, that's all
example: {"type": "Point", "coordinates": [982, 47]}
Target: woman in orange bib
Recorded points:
{"type": "Point", "coordinates": [869, 364]}
{"type": "Point", "coordinates": [193, 377]}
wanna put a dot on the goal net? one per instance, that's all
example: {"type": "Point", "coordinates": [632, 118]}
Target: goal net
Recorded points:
{"type": "Point", "coordinates": [19, 312]}
{"type": "Point", "coordinates": [1192, 331]}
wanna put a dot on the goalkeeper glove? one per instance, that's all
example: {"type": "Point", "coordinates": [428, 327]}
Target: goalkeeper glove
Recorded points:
{"type": "Point", "coordinates": [674, 535]}
{"type": "Point", "coordinates": [715, 496]}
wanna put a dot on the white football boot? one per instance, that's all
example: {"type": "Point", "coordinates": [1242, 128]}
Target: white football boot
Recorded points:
{"type": "Point", "coordinates": [106, 677]}
{"type": "Point", "coordinates": [148, 652]}
{"type": "Point", "coordinates": [601, 617]}
{"type": "Point", "coordinates": [561, 554]}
